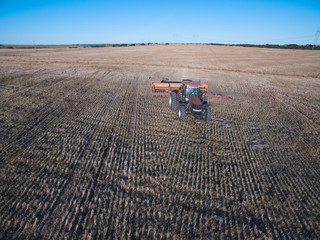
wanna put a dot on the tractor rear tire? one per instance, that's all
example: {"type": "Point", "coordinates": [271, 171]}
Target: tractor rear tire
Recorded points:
{"type": "Point", "coordinates": [182, 113]}
{"type": "Point", "coordinates": [208, 115]}
{"type": "Point", "coordinates": [173, 103]}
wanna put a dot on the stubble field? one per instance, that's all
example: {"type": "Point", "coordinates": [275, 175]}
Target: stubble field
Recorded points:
{"type": "Point", "coordinates": [86, 151]}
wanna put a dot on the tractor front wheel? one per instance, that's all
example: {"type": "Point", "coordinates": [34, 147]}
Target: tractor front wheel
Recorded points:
{"type": "Point", "coordinates": [208, 114]}
{"type": "Point", "coordinates": [182, 113]}
{"type": "Point", "coordinates": [173, 103]}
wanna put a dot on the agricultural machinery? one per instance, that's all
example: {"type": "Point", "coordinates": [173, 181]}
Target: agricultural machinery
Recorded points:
{"type": "Point", "coordinates": [189, 97]}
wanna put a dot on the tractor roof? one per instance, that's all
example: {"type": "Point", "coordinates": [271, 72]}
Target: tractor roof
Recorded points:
{"type": "Point", "coordinates": [191, 84]}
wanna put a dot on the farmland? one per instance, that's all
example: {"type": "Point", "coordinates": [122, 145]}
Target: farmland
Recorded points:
{"type": "Point", "coordinates": [87, 152]}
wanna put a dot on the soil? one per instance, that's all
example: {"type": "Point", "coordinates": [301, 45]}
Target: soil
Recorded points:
{"type": "Point", "coordinates": [87, 152]}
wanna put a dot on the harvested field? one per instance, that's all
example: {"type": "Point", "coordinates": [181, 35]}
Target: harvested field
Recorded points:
{"type": "Point", "coordinates": [86, 152]}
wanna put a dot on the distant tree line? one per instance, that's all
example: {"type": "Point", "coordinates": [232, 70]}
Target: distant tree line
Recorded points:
{"type": "Point", "coordinates": [287, 46]}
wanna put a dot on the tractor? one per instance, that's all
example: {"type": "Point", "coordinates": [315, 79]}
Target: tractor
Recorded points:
{"type": "Point", "coordinates": [191, 99]}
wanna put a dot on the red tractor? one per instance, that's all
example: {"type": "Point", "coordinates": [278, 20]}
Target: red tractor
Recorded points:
{"type": "Point", "coordinates": [191, 99]}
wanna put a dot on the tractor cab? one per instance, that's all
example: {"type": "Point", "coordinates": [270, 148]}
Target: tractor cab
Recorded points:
{"type": "Point", "coordinates": [190, 87]}
{"type": "Point", "coordinates": [192, 91]}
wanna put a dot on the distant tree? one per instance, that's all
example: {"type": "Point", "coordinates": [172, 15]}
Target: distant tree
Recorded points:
{"type": "Point", "coordinates": [98, 45]}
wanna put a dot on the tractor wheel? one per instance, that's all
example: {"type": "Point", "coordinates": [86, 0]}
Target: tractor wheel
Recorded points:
{"type": "Point", "coordinates": [173, 103]}
{"type": "Point", "coordinates": [208, 114]}
{"type": "Point", "coordinates": [182, 113]}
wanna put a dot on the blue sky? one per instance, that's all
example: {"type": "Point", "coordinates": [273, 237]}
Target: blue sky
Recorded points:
{"type": "Point", "coordinates": [188, 21]}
